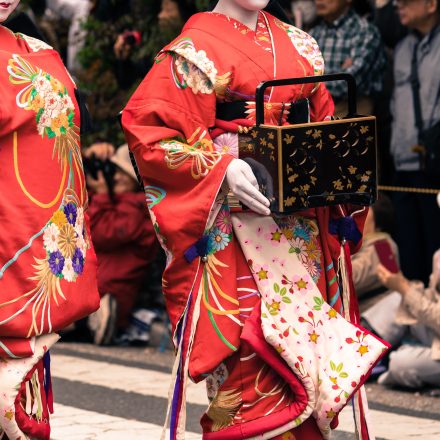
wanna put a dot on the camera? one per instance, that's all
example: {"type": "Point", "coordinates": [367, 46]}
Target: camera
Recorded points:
{"type": "Point", "coordinates": [132, 38]}
{"type": "Point", "coordinates": [92, 165]}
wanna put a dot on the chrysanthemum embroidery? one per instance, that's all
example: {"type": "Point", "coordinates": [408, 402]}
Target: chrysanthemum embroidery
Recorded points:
{"type": "Point", "coordinates": [49, 99]}
{"type": "Point", "coordinates": [65, 245]}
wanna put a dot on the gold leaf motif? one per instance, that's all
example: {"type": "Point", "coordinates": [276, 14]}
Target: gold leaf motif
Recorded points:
{"type": "Point", "coordinates": [363, 129]}
{"type": "Point", "coordinates": [254, 134]}
{"type": "Point", "coordinates": [362, 188]}
{"type": "Point", "coordinates": [223, 409]}
{"type": "Point", "coordinates": [331, 136]}
{"type": "Point", "coordinates": [288, 139]}
{"type": "Point", "coordinates": [352, 169]}
{"type": "Point", "coordinates": [263, 142]}
{"type": "Point", "coordinates": [289, 201]}
{"type": "Point", "coordinates": [309, 132]}
{"type": "Point", "coordinates": [337, 184]}
{"type": "Point", "coordinates": [313, 180]}
{"type": "Point", "coordinates": [270, 135]}
{"type": "Point", "coordinates": [271, 145]}
{"type": "Point", "coordinates": [292, 178]}
{"type": "Point", "coordinates": [316, 134]}
{"type": "Point", "coordinates": [289, 169]}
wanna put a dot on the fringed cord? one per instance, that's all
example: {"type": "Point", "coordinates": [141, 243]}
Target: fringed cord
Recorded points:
{"type": "Point", "coordinates": [172, 385]}
{"type": "Point", "coordinates": [180, 434]}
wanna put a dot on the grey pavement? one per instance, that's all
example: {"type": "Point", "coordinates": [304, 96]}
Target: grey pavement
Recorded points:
{"type": "Point", "coordinates": [130, 385]}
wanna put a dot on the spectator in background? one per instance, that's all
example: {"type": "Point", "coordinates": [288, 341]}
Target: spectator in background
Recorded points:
{"type": "Point", "coordinates": [125, 243]}
{"type": "Point", "coordinates": [171, 15]}
{"type": "Point", "coordinates": [350, 44]}
{"type": "Point", "coordinates": [418, 232]}
{"type": "Point", "coordinates": [376, 245]}
{"type": "Point", "coordinates": [409, 315]}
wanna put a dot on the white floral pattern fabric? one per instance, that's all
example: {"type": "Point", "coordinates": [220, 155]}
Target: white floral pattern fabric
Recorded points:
{"type": "Point", "coordinates": [328, 354]}
{"type": "Point", "coordinates": [12, 374]}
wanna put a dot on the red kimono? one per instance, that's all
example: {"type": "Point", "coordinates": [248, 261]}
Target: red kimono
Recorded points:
{"type": "Point", "coordinates": [47, 263]}
{"type": "Point", "coordinates": [213, 285]}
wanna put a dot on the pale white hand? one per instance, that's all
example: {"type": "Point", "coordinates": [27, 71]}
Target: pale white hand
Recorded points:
{"type": "Point", "coordinates": [243, 183]}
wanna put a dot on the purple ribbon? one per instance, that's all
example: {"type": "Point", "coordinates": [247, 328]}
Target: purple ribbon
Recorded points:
{"type": "Point", "coordinates": [198, 249]}
{"type": "Point", "coordinates": [345, 228]}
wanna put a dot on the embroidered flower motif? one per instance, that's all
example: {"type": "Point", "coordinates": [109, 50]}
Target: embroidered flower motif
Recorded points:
{"type": "Point", "coordinates": [227, 143]}
{"type": "Point", "coordinates": [306, 46]}
{"type": "Point", "coordinates": [68, 271]}
{"type": "Point", "coordinates": [218, 240]}
{"type": "Point", "coordinates": [298, 247]}
{"type": "Point", "coordinates": [70, 211]}
{"type": "Point", "coordinates": [197, 71]}
{"type": "Point", "coordinates": [312, 269]}
{"type": "Point", "coordinates": [223, 221]}
{"type": "Point", "coordinates": [56, 262]}
{"type": "Point", "coordinates": [275, 236]}
{"type": "Point", "coordinates": [49, 99]}
{"type": "Point", "coordinates": [79, 223]}
{"type": "Point", "coordinates": [78, 261]}
{"type": "Point", "coordinates": [81, 244]}
{"type": "Point", "coordinates": [50, 237]}
{"type": "Point", "coordinates": [59, 218]}
{"type": "Point", "coordinates": [67, 240]}
{"type": "Point", "coordinates": [276, 304]}
{"type": "Point", "coordinates": [302, 283]}
{"type": "Point", "coordinates": [263, 274]}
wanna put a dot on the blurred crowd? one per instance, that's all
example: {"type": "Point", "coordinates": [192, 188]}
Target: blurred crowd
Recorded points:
{"type": "Point", "coordinates": [391, 47]}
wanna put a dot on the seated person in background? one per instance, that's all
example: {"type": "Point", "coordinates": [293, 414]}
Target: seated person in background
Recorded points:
{"type": "Point", "coordinates": [377, 239]}
{"type": "Point", "coordinates": [124, 240]}
{"type": "Point", "coordinates": [410, 316]}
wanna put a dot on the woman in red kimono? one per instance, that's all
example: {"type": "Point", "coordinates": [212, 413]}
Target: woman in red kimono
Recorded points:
{"type": "Point", "coordinates": [47, 264]}
{"type": "Point", "coordinates": [248, 294]}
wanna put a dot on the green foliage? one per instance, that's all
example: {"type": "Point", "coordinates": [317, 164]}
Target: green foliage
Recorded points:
{"type": "Point", "coordinates": [104, 97]}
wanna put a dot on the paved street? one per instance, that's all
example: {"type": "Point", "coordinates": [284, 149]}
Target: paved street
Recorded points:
{"type": "Point", "coordinates": [121, 393]}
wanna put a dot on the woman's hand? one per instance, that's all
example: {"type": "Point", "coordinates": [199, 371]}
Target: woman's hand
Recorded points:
{"type": "Point", "coordinates": [393, 281]}
{"type": "Point", "coordinates": [244, 185]}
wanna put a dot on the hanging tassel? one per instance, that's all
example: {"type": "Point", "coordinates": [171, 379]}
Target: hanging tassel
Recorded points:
{"type": "Point", "coordinates": [48, 381]}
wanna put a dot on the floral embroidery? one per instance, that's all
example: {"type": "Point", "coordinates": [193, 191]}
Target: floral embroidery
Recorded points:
{"type": "Point", "coordinates": [218, 240]}
{"type": "Point", "coordinates": [63, 255]}
{"type": "Point", "coordinates": [200, 153]}
{"type": "Point", "coordinates": [65, 245]}
{"type": "Point", "coordinates": [223, 220]}
{"type": "Point", "coordinates": [305, 45]}
{"type": "Point", "coordinates": [215, 380]}
{"type": "Point", "coordinates": [34, 44]}
{"type": "Point", "coordinates": [227, 143]}
{"type": "Point", "coordinates": [302, 235]}
{"type": "Point", "coordinates": [191, 68]}
{"type": "Point", "coordinates": [49, 99]}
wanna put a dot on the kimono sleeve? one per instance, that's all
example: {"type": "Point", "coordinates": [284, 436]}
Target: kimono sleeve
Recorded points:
{"type": "Point", "coordinates": [166, 124]}
{"type": "Point", "coordinates": [321, 104]}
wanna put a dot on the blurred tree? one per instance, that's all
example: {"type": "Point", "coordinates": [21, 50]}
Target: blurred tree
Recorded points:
{"type": "Point", "coordinates": [108, 19]}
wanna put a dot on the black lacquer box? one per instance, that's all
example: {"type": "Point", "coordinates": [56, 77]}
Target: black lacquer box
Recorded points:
{"type": "Point", "coordinates": [314, 164]}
